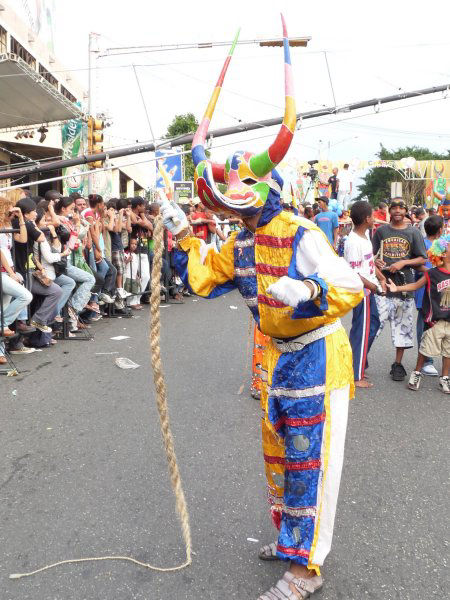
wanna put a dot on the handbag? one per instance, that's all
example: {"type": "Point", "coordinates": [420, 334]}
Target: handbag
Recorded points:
{"type": "Point", "coordinates": [43, 279]}
{"type": "Point", "coordinates": [60, 267]}
{"type": "Point", "coordinates": [132, 286]}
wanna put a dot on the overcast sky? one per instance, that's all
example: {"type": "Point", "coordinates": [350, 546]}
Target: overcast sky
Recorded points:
{"type": "Point", "coordinates": [373, 49]}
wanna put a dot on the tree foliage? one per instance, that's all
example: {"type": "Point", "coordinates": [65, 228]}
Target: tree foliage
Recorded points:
{"type": "Point", "coordinates": [181, 125]}
{"type": "Point", "coordinates": [377, 182]}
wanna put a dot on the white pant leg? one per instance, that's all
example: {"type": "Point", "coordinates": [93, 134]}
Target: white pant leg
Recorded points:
{"type": "Point", "coordinates": [145, 271]}
{"type": "Point", "coordinates": [143, 265]}
{"type": "Point", "coordinates": [329, 485]}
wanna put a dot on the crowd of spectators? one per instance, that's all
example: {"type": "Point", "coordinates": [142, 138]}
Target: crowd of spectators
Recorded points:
{"type": "Point", "coordinates": [67, 262]}
{"type": "Point", "coordinates": [388, 247]}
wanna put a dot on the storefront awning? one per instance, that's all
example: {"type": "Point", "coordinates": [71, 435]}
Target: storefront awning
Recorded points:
{"type": "Point", "coordinates": [26, 98]}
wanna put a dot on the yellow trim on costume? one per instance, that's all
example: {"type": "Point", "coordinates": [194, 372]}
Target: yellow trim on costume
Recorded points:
{"type": "Point", "coordinates": [271, 442]}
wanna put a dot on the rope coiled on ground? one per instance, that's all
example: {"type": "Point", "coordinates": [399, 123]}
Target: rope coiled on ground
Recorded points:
{"type": "Point", "coordinates": [161, 402]}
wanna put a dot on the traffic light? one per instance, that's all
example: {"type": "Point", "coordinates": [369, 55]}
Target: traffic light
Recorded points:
{"type": "Point", "coordinates": [95, 140]}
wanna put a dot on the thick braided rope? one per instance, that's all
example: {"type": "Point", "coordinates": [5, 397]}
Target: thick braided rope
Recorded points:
{"type": "Point", "coordinates": [161, 401]}
{"type": "Point", "coordinates": [160, 386]}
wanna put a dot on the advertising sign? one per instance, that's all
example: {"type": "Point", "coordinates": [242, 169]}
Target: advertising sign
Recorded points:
{"type": "Point", "coordinates": [172, 165]}
{"type": "Point", "coordinates": [37, 15]}
{"type": "Point", "coordinates": [72, 146]}
{"type": "Point", "coordinates": [183, 191]}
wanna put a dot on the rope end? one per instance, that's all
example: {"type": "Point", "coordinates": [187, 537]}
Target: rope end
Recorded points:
{"type": "Point", "coordinates": [16, 576]}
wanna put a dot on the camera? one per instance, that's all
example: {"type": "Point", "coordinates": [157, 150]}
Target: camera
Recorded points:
{"type": "Point", "coordinates": [312, 173]}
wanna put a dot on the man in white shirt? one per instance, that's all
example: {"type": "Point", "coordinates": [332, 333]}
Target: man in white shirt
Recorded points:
{"type": "Point", "coordinates": [366, 322]}
{"type": "Point", "coordinates": [345, 187]}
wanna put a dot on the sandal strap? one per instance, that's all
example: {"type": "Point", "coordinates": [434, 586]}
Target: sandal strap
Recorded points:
{"type": "Point", "coordinates": [282, 590]}
{"type": "Point", "coordinates": [268, 550]}
{"type": "Point", "coordinates": [304, 586]}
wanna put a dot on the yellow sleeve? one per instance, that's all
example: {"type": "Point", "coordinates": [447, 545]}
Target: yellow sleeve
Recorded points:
{"type": "Point", "coordinates": [208, 276]}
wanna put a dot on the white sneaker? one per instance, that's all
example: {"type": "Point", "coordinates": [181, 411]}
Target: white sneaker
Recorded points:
{"type": "Point", "coordinates": [106, 298]}
{"type": "Point", "coordinates": [122, 293]}
{"type": "Point", "coordinates": [22, 350]}
{"type": "Point", "coordinates": [444, 384]}
{"type": "Point", "coordinates": [414, 380]}
{"type": "Point", "coordinates": [430, 370]}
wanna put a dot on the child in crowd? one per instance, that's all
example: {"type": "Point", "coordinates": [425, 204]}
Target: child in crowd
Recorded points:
{"type": "Point", "coordinates": [365, 323]}
{"type": "Point", "coordinates": [132, 283]}
{"type": "Point", "coordinates": [433, 228]}
{"type": "Point", "coordinates": [436, 308]}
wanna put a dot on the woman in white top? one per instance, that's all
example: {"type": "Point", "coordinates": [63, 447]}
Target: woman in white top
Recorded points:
{"type": "Point", "coordinates": [48, 255]}
{"type": "Point", "coordinates": [70, 232]}
{"type": "Point", "coordinates": [15, 297]}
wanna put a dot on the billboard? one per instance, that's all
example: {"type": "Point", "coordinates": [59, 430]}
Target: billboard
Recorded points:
{"type": "Point", "coordinates": [38, 16]}
{"type": "Point", "coordinates": [172, 165]}
{"type": "Point", "coordinates": [72, 146]}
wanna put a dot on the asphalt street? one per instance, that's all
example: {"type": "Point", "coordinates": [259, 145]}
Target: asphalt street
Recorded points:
{"type": "Point", "coordinates": [83, 471]}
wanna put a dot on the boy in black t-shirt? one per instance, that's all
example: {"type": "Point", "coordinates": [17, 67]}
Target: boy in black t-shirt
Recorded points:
{"type": "Point", "coordinates": [401, 250]}
{"type": "Point", "coordinates": [436, 309]}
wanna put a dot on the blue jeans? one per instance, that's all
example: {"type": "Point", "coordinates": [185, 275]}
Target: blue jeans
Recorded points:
{"type": "Point", "coordinates": [420, 325]}
{"type": "Point", "coordinates": [20, 298]}
{"type": "Point", "coordinates": [67, 284]}
{"type": "Point", "coordinates": [16, 298]}
{"type": "Point", "coordinates": [106, 271]}
{"type": "Point", "coordinates": [81, 297]}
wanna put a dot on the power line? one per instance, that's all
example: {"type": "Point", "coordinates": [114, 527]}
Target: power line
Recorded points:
{"type": "Point", "coordinates": [235, 59]}
{"type": "Point", "coordinates": [262, 125]}
{"type": "Point", "coordinates": [187, 139]}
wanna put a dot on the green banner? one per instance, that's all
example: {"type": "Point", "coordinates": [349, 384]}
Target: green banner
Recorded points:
{"type": "Point", "coordinates": [72, 146]}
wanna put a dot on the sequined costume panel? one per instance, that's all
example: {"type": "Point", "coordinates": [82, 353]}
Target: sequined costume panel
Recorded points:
{"type": "Point", "coordinates": [259, 374]}
{"type": "Point", "coordinates": [299, 436]}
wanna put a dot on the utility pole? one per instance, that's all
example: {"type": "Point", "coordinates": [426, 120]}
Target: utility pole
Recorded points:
{"type": "Point", "coordinates": [90, 89]}
{"type": "Point", "coordinates": [89, 106]}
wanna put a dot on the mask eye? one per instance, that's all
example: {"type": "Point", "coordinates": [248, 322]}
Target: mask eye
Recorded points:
{"type": "Point", "coordinates": [249, 181]}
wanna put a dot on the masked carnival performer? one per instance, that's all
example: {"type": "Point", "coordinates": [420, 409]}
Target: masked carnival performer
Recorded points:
{"type": "Point", "coordinates": [296, 288]}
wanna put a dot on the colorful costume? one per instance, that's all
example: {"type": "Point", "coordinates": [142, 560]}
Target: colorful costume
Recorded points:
{"type": "Point", "coordinates": [307, 361]}
{"type": "Point", "coordinates": [259, 375]}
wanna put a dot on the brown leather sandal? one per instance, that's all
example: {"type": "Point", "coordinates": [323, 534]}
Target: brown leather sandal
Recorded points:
{"type": "Point", "coordinates": [293, 588]}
